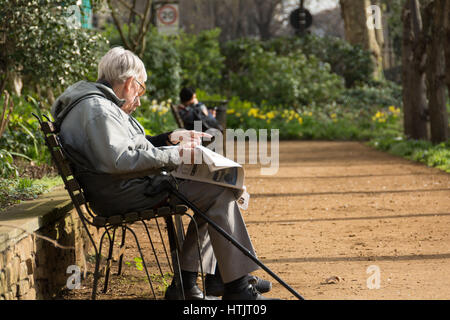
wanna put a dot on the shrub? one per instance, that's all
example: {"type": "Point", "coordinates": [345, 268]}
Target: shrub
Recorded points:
{"type": "Point", "coordinates": [371, 95]}
{"type": "Point", "coordinates": [353, 63]}
{"type": "Point", "coordinates": [162, 61]}
{"type": "Point", "coordinates": [201, 60]}
{"type": "Point", "coordinates": [292, 80]}
{"type": "Point", "coordinates": [44, 49]}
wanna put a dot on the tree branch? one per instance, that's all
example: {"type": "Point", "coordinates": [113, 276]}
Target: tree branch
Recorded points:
{"type": "Point", "coordinates": [131, 8]}
{"type": "Point", "coordinates": [52, 241]}
{"type": "Point", "coordinates": [3, 121]}
{"type": "Point", "coordinates": [119, 28]}
{"type": "Point", "coordinates": [144, 28]}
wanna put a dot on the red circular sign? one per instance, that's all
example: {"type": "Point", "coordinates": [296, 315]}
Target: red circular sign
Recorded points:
{"type": "Point", "coordinates": [167, 14]}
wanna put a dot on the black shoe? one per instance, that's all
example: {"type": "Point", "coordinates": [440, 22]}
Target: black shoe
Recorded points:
{"type": "Point", "coordinates": [172, 293]}
{"type": "Point", "coordinates": [214, 285]}
{"type": "Point", "coordinates": [248, 293]}
{"type": "Point", "coordinates": [261, 285]}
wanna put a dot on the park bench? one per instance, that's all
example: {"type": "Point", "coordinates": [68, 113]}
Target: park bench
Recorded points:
{"type": "Point", "coordinates": [166, 211]}
{"type": "Point", "coordinates": [89, 218]}
{"type": "Point", "coordinates": [219, 105]}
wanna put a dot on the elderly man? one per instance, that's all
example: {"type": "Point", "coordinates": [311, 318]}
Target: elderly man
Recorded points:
{"type": "Point", "coordinates": [116, 163]}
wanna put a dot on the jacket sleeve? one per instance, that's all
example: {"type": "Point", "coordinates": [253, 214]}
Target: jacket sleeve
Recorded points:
{"type": "Point", "coordinates": [113, 151]}
{"type": "Point", "coordinates": [159, 140]}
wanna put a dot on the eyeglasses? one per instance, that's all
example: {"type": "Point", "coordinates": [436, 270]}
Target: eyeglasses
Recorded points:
{"type": "Point", "coordinates": [143, 88]}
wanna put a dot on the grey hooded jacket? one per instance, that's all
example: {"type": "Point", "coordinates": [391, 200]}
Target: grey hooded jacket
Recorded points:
{"type": "Point", "coordinates": [115, 163]}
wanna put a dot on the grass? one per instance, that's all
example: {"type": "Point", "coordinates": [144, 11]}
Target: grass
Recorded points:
{"type": "Point", "coordinates": [12, 191]}
{"type": "Point", "coordinates": [437, 156]}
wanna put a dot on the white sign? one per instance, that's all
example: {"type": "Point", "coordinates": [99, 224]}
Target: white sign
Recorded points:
{"type": "Point", "coordinates": [167, 18]}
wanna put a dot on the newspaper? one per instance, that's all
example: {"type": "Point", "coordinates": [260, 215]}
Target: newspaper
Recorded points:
{"type": "Point", "coordinates": [216, 169]}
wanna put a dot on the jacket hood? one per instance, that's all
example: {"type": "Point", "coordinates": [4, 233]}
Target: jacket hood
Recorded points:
{"type": "Point", "coordinates": [78, 92]}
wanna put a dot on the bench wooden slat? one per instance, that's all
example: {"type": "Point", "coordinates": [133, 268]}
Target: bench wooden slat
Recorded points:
{"type": "Point", "coordinates": [52, 141]}
{"type": "Point", "coordinates": [72, 185]}
{"type": "Point", "coordinates": [163, 211]}
{"type": "Point", "coordinates": [147, 214]}
{"type": "Point", "coordinates": [48, 127]}
{"type": "Point", "coordinates": [79, 199]}
{"type": "Point", "coordinates": [60, 159]}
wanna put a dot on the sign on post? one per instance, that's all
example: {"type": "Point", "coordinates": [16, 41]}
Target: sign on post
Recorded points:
{"type": "Point", "coordinates": [167, 18]}
{"type": "Point", "coordinates": [301, 19]}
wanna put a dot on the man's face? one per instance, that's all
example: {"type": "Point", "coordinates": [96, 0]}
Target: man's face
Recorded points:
{"type": "Point", "coordinates": [194, 100]}
{"type": "Point", "coordinates": [132, 90]}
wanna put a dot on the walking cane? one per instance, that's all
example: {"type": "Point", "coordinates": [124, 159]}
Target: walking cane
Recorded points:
{"type": "Point", "coordinates": [244, 250]}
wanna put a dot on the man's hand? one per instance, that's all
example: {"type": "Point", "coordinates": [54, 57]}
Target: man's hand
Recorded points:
{"type": "Point", "coordinates": [188, 137]}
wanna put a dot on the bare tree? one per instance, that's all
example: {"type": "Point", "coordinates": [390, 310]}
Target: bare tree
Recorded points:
{"type": "Point", "coordinates": [236, 18]}
{"type": "Point", "coordinates": [264, 16]}
{"type": "Point", "coordinates": [447, 44]}
{"type": "Point", "coordinates": [413, 72]}
{"type": "Point", "coordinates": [139, 20]}
{"type": "Point", "coordinates": [355, 19]}
{"type": "Point", "coordinates": [435, 71]}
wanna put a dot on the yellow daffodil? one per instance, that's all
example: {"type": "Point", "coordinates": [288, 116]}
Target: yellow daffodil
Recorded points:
{"type": "Point", "coordinates": [270, 115]}
{"type": "Point", "coordinates": [253, 112]}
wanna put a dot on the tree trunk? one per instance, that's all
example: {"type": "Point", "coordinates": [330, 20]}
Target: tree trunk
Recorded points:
{"type": "Point", "coordinates": [436, 74]}
{"type": "Point", "coordinates": [447, 44]}
{"type": "Point", "coordinates": [355, 19]}
{"type": "Point", "coordinates": [413, 76]}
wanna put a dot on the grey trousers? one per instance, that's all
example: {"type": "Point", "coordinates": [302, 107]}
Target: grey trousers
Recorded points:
{"type": "Point", "coordinates": [219, 204]}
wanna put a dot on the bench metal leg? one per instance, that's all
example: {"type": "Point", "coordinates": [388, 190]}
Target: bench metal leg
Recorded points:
{"type": "Point", "coordinates": [108, 260]}
{"type": "Point", "coordinates": [175, 254]}
{"type": "Point", "coordinates": [97, 266]}
{"type": "Point", "coordinates": [143, 260]}
{"type": "Point", "coordinates": [164, 245]}
{"type": "Point", "coordinates": [122, 246]}
{"type": "Point", "coordinates": [153, 248]}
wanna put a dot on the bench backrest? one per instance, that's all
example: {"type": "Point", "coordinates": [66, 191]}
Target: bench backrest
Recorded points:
{"type": "Point", "coordinates": [176, 114]}
{"type": "Point", "coordinates": [64, 168]}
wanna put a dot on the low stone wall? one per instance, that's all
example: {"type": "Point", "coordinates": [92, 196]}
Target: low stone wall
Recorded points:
{"type": "Point", "coordinates": [31, 265]}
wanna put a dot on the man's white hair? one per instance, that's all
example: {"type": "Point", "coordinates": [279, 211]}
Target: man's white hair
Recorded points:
{"type": "Point", "coordinates": [118, 64]}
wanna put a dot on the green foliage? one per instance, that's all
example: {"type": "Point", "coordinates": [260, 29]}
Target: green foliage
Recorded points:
{"type": "Point", "coordinates": [23, 134]}
{"type": "Point", "coordinates": [156, 117]}
{"type": "Point", "coordinates": [292, 80]}
{"type": "Point", "coordinates": [12, 191]}
{"type": "Point", "coordinates": [44, 48]}
{"type": "Point", "coordinates": [350, 62]}
{"type": "Point", "coordinates": [373, 94]}
{"type": "Point", "coordinates": [162, 61]}
{"type": "Point", "coordinates": [201, 60]}
{"type": "Point", "coordinates": [417, 150]}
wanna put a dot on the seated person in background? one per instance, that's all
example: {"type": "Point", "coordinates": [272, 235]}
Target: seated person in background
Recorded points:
{"type": "Point", "coordinates": [191, 110]}
{"type": "Point", "coordinates": [116, 164]}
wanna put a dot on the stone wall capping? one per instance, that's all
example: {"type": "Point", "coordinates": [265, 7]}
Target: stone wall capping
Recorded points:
{"type": "Point", "coordinates": [31, 267]}
{"type": "Point", "coordinates": [32, 215]}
